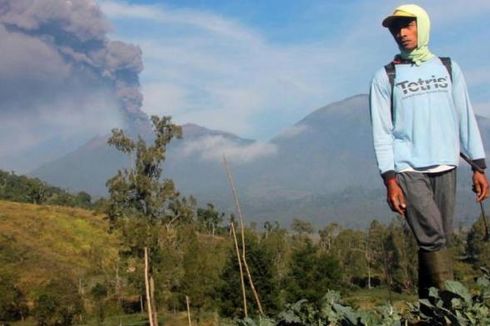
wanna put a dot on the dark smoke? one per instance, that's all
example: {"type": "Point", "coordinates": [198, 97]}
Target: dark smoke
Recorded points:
{"type": "Point", "coordinates": [57, 65]}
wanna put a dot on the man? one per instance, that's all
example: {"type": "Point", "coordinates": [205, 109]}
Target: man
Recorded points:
{"type": "Point", "coordinates": [421, 122]}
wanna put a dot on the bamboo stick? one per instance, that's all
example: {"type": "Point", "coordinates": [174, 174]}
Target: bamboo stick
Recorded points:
{"type": "Point", "coordinates": [242, 280]}
{"type": "Point", "coordinates": [239, 212]}
{"type": "Point", "coordinates": [147, 287]}
{"type": "Point", "coordinates": [188, 310]}
{"type": "Point", "coordinates": [153, 303]}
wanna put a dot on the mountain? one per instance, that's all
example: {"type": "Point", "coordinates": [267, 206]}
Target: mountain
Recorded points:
{"type": "Point", "coordinates": [321, 169]}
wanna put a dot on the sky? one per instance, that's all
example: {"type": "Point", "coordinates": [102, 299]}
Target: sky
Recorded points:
{"type": "Point", "coordinates": [70, 70]}
{"type": "Point", "coordinates": [255, 68]}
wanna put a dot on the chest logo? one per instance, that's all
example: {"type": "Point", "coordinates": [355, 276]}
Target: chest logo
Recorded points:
{"type": "Point", "coordinates": [423, 85]}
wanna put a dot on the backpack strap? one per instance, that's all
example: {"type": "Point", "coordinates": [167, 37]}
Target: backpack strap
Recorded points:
{"type": "Point", "coordinates": [446, 61]}
{"type": "Point", "coordinates": [391, 73]}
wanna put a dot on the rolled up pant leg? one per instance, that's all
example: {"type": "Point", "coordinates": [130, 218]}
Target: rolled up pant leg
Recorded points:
{"type": "Point", "coordinates": [430, 206]}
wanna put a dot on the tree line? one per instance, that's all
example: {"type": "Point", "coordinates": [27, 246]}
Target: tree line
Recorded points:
{"type": "Point", "coordinates": [177, 257]}
{"type": "Point", "coordinates": [23, 189]}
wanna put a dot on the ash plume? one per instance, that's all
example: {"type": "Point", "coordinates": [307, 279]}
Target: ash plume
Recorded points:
{"type": "Point", "coordinates": [62, 80]}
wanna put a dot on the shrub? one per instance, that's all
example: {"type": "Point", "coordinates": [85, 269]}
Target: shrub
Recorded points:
{"type": "Point", "coordinates": [58, 303]}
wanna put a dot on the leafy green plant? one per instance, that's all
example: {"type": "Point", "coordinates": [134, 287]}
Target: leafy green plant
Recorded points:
{"type": "Point", "coordinates": [456, 305]}
{"type": "Point", "coordinates": [453, 305]}
{"type": "Point", "coordinates": [331, 312]}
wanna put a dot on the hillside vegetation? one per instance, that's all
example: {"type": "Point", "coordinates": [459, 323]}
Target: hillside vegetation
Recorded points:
{"type": "Point", "coordinates": [41, 243]}
{"type": "Point", "coordinates": [156, 256]}
{"type": "Point", "coordinates": [24, 189]}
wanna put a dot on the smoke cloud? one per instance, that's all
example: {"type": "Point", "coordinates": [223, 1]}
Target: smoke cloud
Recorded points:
{"type": "Point", "coordinates": [62, 80]}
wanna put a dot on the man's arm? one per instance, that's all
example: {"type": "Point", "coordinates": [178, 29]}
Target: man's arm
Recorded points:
{"type": "Point", "coordinates": [382, 127]}
{"type": "Point", "coordinates": [470, 138]}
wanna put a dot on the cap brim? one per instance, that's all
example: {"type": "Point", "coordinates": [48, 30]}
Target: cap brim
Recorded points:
{"type": "Point", "coordinates": [396, 15]}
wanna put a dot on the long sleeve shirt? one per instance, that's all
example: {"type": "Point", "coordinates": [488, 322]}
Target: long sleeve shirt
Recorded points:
{"type": "Point", "coordinates": [432, 121]}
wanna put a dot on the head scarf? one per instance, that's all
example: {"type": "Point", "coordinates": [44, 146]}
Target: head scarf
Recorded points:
{"type": "Point", "coordinates": [422, 52]}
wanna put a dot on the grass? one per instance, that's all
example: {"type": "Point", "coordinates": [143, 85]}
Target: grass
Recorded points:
{"type": "Point", "coordinates": [38, 243]}
{"type": "Point", "coordinates": [367, 299]}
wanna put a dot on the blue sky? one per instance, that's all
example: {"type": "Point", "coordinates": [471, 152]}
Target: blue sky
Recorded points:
{"type": "Point", "coordinates": [255, 68]}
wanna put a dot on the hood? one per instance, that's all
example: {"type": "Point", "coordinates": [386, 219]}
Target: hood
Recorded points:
{"type": "Point", "coordinates": [421, 53]}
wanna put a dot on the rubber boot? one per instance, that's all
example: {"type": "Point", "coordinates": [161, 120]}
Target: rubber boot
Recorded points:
{"type": "Point", "coordinates": [424, 282]}
{"type": "Point", "coordinates": [434, 270]}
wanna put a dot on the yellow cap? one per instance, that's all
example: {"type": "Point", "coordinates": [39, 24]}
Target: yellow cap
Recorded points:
{"type": "Point", "coordinates": [396, 14]}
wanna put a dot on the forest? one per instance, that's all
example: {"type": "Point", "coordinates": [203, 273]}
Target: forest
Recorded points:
{"type": "Point", "coordinates": [147, 255]}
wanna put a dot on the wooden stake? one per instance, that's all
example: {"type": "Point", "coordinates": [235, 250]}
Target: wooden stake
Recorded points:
{"type": "Point", "coordinates": [242, 228]}
{"type": "Point", "coordinates": [147, 287]}
{"type": "Point", "coordinates": [242, 280]}
{"type": "Point", "coordinates": [153, 303]}
{"type": "Point", "coordinates": [188, 310]}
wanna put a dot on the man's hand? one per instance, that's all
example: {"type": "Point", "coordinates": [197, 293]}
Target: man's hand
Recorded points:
{"type": "Point", "coordinates": [395, 197]}
{"type": "Point", "coordinates": [480, 186]}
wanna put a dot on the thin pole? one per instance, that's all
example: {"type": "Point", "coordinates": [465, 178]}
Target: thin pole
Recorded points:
{"type": "Point", "coordinates": [242, 281]}
{"type": "Point", "coordinates": [239, 212]}
{"type": "Point", "coordinates": [147, 286]}
{"type": "Point", "coordinates": [188, 310]}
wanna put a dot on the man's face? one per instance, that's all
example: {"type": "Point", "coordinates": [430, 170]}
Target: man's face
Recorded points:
{"type": "Point", "coordinates": [404, 30]}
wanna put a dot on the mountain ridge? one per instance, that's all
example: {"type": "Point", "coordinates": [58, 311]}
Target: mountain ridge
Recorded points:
{"type": "Point", "coordinates": [322, 168]}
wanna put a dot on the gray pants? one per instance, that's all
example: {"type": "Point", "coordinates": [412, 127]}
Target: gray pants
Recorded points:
{"type": "Point", "coordinates": [430, 206]}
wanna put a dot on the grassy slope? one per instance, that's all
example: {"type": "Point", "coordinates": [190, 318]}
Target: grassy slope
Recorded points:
{"type": "Point", "coordinates": [39, 243]}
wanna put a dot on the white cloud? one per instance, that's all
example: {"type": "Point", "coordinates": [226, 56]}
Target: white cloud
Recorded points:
{"type": "Point", "coordinates": [197, 19]}
{"type": "Point", "coordinates": [293, 131]}
{"type": "Point", "coordinates": [212, 148]}
{"type": "Point", "coordinates": [226, 75]}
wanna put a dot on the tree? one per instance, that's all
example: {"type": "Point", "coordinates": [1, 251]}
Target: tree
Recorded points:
{"type": "Point", "coordinates": [312, 273]}
{"type": "Point", "coordinates": [328, 234]}
{"type": "Point", "coordinates": [301, 227]}
{"type": "Point", "coordinates": [375, 249]}
{"type": "Point", "coordinates": [36, 193]}
{"type": "Point", "coordinates": [349, 248]}
{"type": "Point", "coordinates": [202, 263]}
{"type": "Point", "coordinates": [58, 303]}
{"type": "Point", "coordinates": [141, 202]}
{"type": "Point", "coordinates": [99, 293]}
{"type": "Point", "coordinates": [139, 192]}
{"type": "Point", "coordinates": [263, 272]}
{"type": "Point", "coordinates": [83, 199]}
{"type": "Point", "coordinates": [401, 252]}
{"type": "Point", "coordinates": [209, 218]}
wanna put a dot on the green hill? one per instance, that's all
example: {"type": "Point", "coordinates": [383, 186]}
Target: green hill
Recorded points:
{"type": "Point", "coordinates": [41, 243]}
{"type": "Point", "coordinates": [23, 189]}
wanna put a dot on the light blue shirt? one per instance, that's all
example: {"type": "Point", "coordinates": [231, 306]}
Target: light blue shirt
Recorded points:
{"type": "Point", "coordinates": [433, 117]}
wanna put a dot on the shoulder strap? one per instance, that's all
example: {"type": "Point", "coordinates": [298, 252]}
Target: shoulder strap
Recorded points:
{"type": "Point", "coordinates": [391, 73]}
{"type": "Point", "coordinates": [446, 61]}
